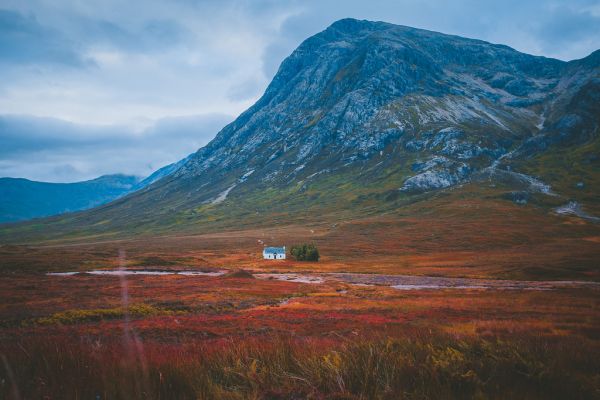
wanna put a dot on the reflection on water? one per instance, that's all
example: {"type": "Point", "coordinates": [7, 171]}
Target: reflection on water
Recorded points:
{"type": "Point", "coordinates": [298, 278]}
{"type": "Point", "coordinates": [400, 282]}
{"type": "Point", "coordinates": [121, 272]}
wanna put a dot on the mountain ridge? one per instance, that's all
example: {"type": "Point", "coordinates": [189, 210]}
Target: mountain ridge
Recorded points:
{"type": "Point", "coordinates": [24, 199]}
{"type": "Point", "coordinates": [283, 76]}
{"type": "Point", "coordinates": [369, 116]}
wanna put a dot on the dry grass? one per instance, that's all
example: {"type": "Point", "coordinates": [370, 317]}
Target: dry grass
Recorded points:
{"type": "Point", "coordinates": [413, 367]}
{"type": "Point", "coordinates": [180, 337]}
{"type": "Point", "coordinates": [236, 338]}
{"type": "Point", "coordinates": [462, 237]}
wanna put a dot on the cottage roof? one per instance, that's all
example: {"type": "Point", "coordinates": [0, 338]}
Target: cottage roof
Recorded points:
{"type": "Point", "coordinates": [274, 250]}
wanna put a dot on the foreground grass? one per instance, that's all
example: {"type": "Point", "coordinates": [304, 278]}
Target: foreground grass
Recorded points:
{"type": "Point", "coordinates": [419, 367]}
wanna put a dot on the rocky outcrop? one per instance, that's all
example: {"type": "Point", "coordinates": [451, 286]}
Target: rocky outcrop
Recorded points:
{"type": "Point", "coordinates": [360, 87]}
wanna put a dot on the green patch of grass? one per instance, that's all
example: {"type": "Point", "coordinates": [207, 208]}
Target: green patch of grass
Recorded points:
{"type": "Point", "coordinates": [77, 316]}
{"type": "Point", "coordinates": [565, 166]}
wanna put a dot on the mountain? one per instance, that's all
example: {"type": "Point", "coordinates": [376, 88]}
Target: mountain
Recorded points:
{"type": "Point", "coordinates": [366, 118]}
{"type": "Point", "coordinates": [160, 173]}
{"type": "Point", "coordinates": [22, 199]}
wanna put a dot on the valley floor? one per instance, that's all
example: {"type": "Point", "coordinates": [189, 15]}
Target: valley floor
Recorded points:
{"type": "Point", "coordinates": [343, 328]}
{"type": "Point", "coordinates": [201, 336]}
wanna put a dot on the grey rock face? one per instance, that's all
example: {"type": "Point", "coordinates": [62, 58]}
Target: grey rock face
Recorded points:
{"type": "Point", "coordinates": [574, 208]}
{"type": "Point", "coordinates": [358, 88]}
{"type": "Point", "coordinates": [436, 173]}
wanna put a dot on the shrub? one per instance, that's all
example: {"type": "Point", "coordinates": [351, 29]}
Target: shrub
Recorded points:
{"type": "Point", "coordinates": [77, 316]}
{"type": "Point", "coordinates": [423, 367]}
{"type": "Point", "coordinates": [305, 252]}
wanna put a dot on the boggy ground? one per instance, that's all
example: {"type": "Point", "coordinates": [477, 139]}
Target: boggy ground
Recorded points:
{"type": "Point", "coordinates": [175, 336]}
{"type": "Point", "coordinates": [466, 238]}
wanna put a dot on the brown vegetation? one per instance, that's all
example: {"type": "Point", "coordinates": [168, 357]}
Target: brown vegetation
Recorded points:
{"type": "Point", "coordinates": [174, 336]}
{"type": "Point", "coordinates": [230, 337]}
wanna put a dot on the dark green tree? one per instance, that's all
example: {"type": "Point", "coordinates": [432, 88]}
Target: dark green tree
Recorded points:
{"type": "Point", "coordinates": [305, 252]}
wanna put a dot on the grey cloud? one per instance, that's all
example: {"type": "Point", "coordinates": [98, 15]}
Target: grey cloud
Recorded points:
{"type": "Point", "coordinates": [53, 150]}
{"type": "Point", "coordinates": [21, 134]}
{"type": "Point", "coordinates": [245, 90]}
{"type": "Point", "coordinates": [154, 35]}
{"type": "Point", "coordinates": [165, 32]}
{"type": "Point", "coordinates": [155, 58]}
{"type": "Point", "coordinates": [565, 25]}
{"type": "Point", "coordinates": [192, 132]}
{"type": "Point", "coordinates": [23, 40]}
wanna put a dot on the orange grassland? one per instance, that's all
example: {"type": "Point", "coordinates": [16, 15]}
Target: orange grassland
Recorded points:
{"type": "Point", "coordinates": [444, 237]}
{"type": "Point", "coordinates": [173, 336]}
{"type": "Point", "coordinates": [216, 337]}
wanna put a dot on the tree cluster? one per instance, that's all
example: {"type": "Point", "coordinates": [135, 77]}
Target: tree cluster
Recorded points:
{"type": "Point", "coordinates": [305, 252]}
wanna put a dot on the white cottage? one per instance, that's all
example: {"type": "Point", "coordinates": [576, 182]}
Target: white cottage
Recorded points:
{"type": "Point", "coordinates": [274, 253]}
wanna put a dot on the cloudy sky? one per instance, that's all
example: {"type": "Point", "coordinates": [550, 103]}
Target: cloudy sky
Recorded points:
{"type": "Point", "coordinates": [98, 87]}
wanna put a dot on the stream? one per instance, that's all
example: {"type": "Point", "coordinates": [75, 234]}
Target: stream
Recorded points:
{"type": "Point", "coordinates": [400, 282]}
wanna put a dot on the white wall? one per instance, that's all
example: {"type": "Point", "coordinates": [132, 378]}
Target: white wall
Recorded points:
{"type": "Point", "coordinates": [274, 256]}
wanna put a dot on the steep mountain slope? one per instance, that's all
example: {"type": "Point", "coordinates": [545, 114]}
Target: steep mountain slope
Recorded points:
{"type": "Point", "coordinates": [22, 199]}
{"type": "Point", "coordinates": [159, 174]}
{"type": "Point", "coordinates": [367, 117]}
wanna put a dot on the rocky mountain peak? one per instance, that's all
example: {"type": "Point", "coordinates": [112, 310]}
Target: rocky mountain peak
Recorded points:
{"type": "Point", "coordinates": [348, 92]}
{"type": "Point", "coordinates": [392, 112]}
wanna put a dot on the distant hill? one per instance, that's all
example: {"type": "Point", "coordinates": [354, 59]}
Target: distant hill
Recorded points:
{"type": "Point", "coordinates": [22, 199]}
{"type": "Point", "coordinates": [366, 118]}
